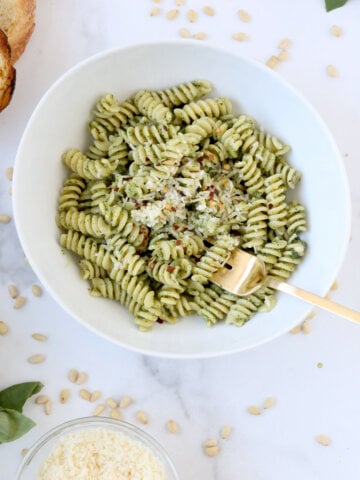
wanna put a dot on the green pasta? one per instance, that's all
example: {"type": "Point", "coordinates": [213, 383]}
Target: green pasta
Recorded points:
{"type": "Point", "coordinates": [163, 172]}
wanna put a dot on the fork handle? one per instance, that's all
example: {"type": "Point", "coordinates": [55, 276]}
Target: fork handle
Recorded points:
{"type": "Point", "coordinates": [309, 297]}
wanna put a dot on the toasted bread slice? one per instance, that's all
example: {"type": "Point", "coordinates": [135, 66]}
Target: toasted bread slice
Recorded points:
{"type": "Point", "coordinates": [17, 21]}
{"type": "Point", "coordinates": [7, 72]}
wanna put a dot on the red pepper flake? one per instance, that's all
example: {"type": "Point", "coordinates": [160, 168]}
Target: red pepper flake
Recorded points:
{"type": "Point", "coordinates": [170, 268]}
{"type": "Point", "coordinates": [160, 320]}
{"type": "Point", "coordinates": [270, 206]}
{"type": "Point", "coordinates": [165, 128]}
{"type": "Point", "coordinates": [147, 159]}
{"type": "Point", "coordinates": [144, 242]}
{"type": "Point", "coordinates": [176, 227]}
{"type": "Point", "coordinates": [173, 209]}
{"type": "Point", "coordinates": [212, 195]}
{"type": "Point", "coordinates": [178, 242]}
{"type": "Point", "coordinates": [200, 159]}
{"type": "Point", "coordinates": [152, 265]}
{"type": "Point", "coordinates": [126, 179]}
{"type": "Point", "coordinates": [116, 189]}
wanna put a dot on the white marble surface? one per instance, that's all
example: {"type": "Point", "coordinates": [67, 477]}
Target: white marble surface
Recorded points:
{"type": "Point", "coordinates": [201, 395]}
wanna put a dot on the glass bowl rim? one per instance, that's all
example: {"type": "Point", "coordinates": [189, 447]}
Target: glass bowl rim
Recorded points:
{"type": "Point", "coordinates": [66, 427]}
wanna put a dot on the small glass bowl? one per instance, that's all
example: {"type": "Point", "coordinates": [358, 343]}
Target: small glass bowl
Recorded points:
{"type": "Point", "coordinates": [41, 449]}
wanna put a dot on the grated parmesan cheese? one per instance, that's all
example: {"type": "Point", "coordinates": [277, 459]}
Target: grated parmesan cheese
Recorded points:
{"type": "Point", "coordinates": [100, 454]}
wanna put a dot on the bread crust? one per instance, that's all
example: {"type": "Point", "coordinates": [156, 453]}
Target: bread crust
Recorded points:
{"type": "Point", "coordinates": [7, 72]}
{"type": "Point", "coordinates": [22, 27]}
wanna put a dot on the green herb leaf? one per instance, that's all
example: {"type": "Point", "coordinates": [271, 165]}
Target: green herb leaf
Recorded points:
{"type": "Point", "coordinates": [15, 396]}
{"type": "Point", "coordinates": [332, 4]}
{"type": "Point", "coordinates": [13, 425]}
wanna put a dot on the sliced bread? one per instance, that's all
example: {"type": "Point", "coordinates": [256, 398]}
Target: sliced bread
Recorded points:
{"type": "Point", "coordinates": [7, 72]}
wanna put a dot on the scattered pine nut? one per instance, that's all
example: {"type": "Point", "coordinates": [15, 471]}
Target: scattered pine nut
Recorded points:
{"type": "Point", "coordinates": [209, 11]}
{"type": "Point", "coordinates": [4, 219]}
{"type": "Point", "coordinates": [211, 447]}
{"type": "Point", "coordinates": [210, 442]}
{"type": "Point", "coordinates": [172, 426]}
{"type": "Point", "coordinates": [141, 417]}
{"type": "Point", "coordinates": [244, 16]}
{"type": "Point", "coordinates": [154, 12]}
{"type": "Point", "coordinates": [19, 302]}
{"type": "Point", "coordinates": [172, 14]}
{"type": "Point", "coordinates": [336, 31]}
{"type": "Point", "coordinates": [95, 396]}
{"type": "Point", "coordinates": [125, 401]}
{"type": "Point", "coordinates": [3, 328]}
{"type": "Point", "coordinates": [81, 378]}
{"type": "Point", "coordinates": [284, 44]}
{"type": "Point", "coordinates": [48, 407]}
{"type": "Point", "coordinates": [110, 402]}
{"type": "Point", "coordinates": [200, 36]}
{"type": "Point", "coordinates": [180, 3]}
{"type": "Point", "coordinates": [156, 1]}
{"type": "Point", "coordinates": [311, 315]}
{"type": "Point", "coordinates": [272, 62]}
{"type": "Point", "coordinates": [184, 33]}
{"type": "Point", "coordinates": [41, 399]}
{"type": "Point", "coordinates": [40, 337]}
{"type": "Point", "coordinates": [9, 173]}
{"type": "Point", "coordinates": [331, 71]}
{"type": "Point", "coordinates": [283, 55]}
{"type": "Point", "coordinates": [335, 285]}
{"type": "Point", "coordinates": [37, 358]}
{"type": "Point", "coordinates": [64, 395]}
{"type": "Point", "coordinates": [306, 328]}
{"type": "Point", "coordinates": [13, 291]}
{"type": "Point", "coordinates": [225, 431]}
{"type": "Point", "coordinates": [85, 394]}
{"type": "Point", "coordinates": [254, 410]}
{"type": "Point", "coordinates": [240, 36]}
{"type": "Point", "coordinates": [192, 16]}
{"type": "Point", "coordinates": [115, 413]}
{"type": "Point", "coordinates": [323, 440]}
{"type": "Point", "coordinates": [269, 402]}
{"type": "Point", "coordinates": [296, 329]}
{"type": "Point", "coordinates": [99, 409]}
{"type": "Point", "coordinates": [73, 375]}
{"type": "Point", "coordinates": [36, 290]}
{"type": "Point", "coordinates": [24, 451]}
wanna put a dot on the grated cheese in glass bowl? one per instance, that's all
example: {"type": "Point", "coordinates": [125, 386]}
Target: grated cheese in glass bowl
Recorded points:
{"type": "Point", "coordinates": [96, 449]}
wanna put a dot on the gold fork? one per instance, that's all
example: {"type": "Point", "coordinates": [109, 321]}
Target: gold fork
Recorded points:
{"type": "Point", "coordinates": [244, 273]}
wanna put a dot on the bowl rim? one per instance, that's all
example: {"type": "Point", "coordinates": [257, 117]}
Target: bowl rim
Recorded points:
{"type": "Point", "coordinates": [97, 422]}
{"type": "Point", "coordinates": [220, 50]}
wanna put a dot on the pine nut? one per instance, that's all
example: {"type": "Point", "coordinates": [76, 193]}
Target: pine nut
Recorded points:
{"type": "Point", "coordinates": [244, 16]}
{"type": "Point", "coordinates": [48, 407]}
{"type": "Point", "coordinates": [335, 285]}
{"type": "Point", "coordinates": [296, 329]}
{"type": "Point", "coordinates": [95, 396]}
{"type": "Point", "coordinates": [209, 11]}
{"type": "Point", "coordinates": [4, 219]}
{"type": "Point", "coordinates": [125, 401]}
{"type": "Point", "coordinates": [240, 36]}
{"type": "Point", "coordinates": [36, 290]}
{"type": "Point", "coordinates": [283, 55]}
{"type": "Point", "coordinates": [192, 16]}
{"type": "Point", "coordinates": [81, 378]}
{"type": "Point", "coordinates": [3, 328]}
{"type": "Point", "coordinates": [73, 375]}
{"type": "Point", "coordinates": [141, 417]}
{"type": "Point", "coordinates": [180, 3]}
{"type": "Point", "coordinates": [156, 1]}
{"type": "Point", "coordinates": [110, 402]}
{"type": "Point", "coordinates": [284, 44]}
{"type": "Point", "coordinates": [64, 395]}
{"type": "Point", "coordinates": [9, 173]}
{"type": "Point", "coordinates": [115, 413]}
{"type": "Point", "coordinates": [210, 442]}
{"type": "Point", "coordinates": [41, 399]}
{"type": "Point", "coordinates": [200, 36]}
{"type": "Point", "coordinates": [184, 33]}
{"type": "Point", "coordinates": [269, 402]}
{"type": "Point", "coordinates": [306, 328]}
{"type": "Point", "coordinates": [331, 71]}
{"type": "Point", "coordinates": [212, 451]}
{"type": "Point", "coordinates": [19, 302]}
{"type": "Point", "coordinates": [336, 31]}
{"type": "Point", "coordinates": [172, 426]}
{"type": "Point", "coordinates": [154, 12]}
{"type": "Point", "coordinates": [272, 62]}
{"type": "Point", "coordinates": [254, 410]}
{"type": "Point", "coordinates": [323, 440]}
{"type": "Point", "coordinates": [24, 451]}
{"type": "Point", "coordinates": [99, 410]}
{"type": "Point", "coordinates": [225, 431]}
{"type": "Point", "coordinates": [172, 14]}
{"type": "Point", "coordinates": [13, 291]}
{"type": "Point", "coordinates": [85, 394]}
{"type": "Point", "coordinates": [40, 337]}
{"type": "Point", "coordinates": [37, 358]}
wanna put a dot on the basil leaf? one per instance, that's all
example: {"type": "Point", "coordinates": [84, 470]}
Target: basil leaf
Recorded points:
{"type": "Point", "coordinates": [332, 4]}
{"type": "Point", "coordinates": [13, 425]}
{"type": "Point", "coordinates": [15, 396]}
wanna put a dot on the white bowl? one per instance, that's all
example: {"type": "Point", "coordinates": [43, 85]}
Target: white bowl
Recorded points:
{"type": "Point", "coordinates": [59, 122]}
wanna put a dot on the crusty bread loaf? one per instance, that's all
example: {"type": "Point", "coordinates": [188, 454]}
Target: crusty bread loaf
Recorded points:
{"type": "Point", "coordinates": [7, 72]}
{"type": "Point", "coordinates": [17, 21]}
